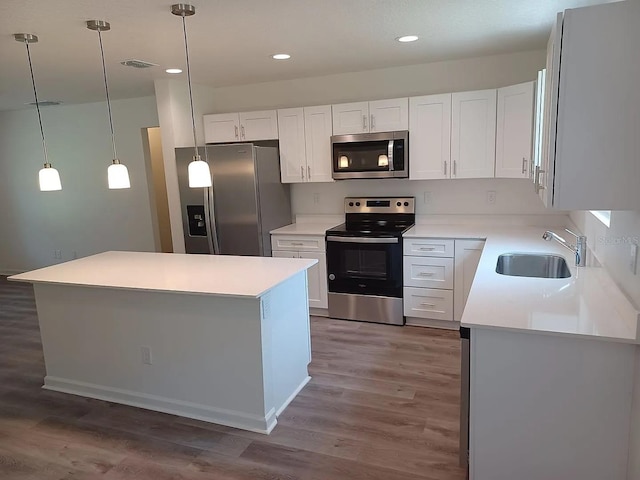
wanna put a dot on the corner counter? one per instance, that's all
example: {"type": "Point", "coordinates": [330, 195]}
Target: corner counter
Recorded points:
{"type": "Point", "coordinates": [222, 339]}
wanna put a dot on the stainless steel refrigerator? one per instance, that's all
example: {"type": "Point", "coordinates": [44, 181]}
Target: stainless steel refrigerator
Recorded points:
{"type": "Point", "coordinates": [247, 200]}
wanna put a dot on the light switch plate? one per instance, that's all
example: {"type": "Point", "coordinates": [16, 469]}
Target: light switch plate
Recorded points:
{"type": "Point", "coordinates": [633, 259]}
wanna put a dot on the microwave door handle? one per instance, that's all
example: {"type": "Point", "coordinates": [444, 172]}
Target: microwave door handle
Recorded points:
{"type": "Point", "coordinates": [390, 155]}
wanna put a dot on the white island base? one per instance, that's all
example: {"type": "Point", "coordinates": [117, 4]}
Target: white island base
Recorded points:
{"type": "Point", "coordinates": [232, 360]}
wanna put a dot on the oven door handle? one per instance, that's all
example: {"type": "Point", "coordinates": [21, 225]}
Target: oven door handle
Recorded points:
{"type": "Point", "coordinates": [362, 239]}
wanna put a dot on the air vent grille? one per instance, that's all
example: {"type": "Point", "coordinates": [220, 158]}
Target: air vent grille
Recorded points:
{"type": "Point", "coordinates": [45, 103]}
{"type": "Point", "coordinates": [138, 63]}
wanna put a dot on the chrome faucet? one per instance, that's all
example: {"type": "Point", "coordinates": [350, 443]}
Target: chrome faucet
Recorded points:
{"type": "Point", "coordinates": [579, 249]}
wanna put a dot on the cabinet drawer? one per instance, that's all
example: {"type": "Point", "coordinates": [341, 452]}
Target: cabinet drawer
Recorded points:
{"type": "Point", "coordinates": [428, 247]}
{"type": "Point", "coordinates": [300, 243]}
{"type": "Point", "coordinates": [431, 272]}
{"type": "Point", "coordinates": [428, 303]}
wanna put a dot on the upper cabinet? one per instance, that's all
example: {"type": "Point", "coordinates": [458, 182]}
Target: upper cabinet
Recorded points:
{"type": "Point", "coordinates": [305, 146]}
{"type": "Point", "coordinates": [514, 130]}
{"type": "Point", "coordinates": [473, 134]}
{"type": "Point", "coordinates": [370, 117]}
{"type": "Point", "coordinates": [241, 127]}
{"type": "Point", "coordinates": [430, 137]}
{"type": "Point", "coordinates": [592, 151]}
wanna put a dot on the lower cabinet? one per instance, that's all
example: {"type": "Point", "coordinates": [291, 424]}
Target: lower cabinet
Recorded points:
{"type": "Point", "coordinates": [316, 275]}
{"type": "Point", "coordinates": [438, 274]}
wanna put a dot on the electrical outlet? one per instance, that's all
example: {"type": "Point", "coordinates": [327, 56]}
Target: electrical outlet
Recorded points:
{"type": "Point", "coordinates": [428, 198]}
{"type": "Point", "coordinates": [491, 197]}
{"type": "Point", "coordinates": [146, 355]}
{"type": "Point", "coordinates": [316, 198]}
{"type": "Point", "coordinates": [57, 254]}
{"type": "Point", "coordinates": [633, 259]}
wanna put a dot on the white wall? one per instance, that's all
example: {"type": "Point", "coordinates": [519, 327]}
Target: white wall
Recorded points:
{"type": "Point", "coordinates": [85, 217]}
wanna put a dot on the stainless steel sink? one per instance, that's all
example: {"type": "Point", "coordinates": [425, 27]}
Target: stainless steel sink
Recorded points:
{"type": "Point", "coordinates": [539, 265]}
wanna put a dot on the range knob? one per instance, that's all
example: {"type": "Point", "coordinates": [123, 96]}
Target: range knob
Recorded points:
{"type": "Point", "coordinates": [357, 204]}
{"type": "Point", "coordinates": [406, 204]}
{"type": "Point", "coordinates": [399, 204]}
{"type": "Point", "coordinates": [332, 276]}
{"type": "Point", "coordinates": [351, 204]}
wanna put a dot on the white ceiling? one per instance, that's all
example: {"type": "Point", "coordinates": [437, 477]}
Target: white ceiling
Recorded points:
{"type": "Point", "coordinates": [230, 41]}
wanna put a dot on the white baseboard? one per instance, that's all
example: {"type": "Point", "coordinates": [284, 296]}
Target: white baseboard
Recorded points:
{"type": "Point", "coordinates": [229, 418]}
{"type": "Point", "coordinates": [319, 312]}
{"type": "Point", "coordinates": [292, 396]}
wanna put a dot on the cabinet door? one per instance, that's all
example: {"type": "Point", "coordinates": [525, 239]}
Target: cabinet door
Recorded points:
{"type": "Point", "coordinates": [428, 303]}
{"type": "Point", "coordinates": [292, 145]}
{"type": "Point", "coordinates": [389, 115]}
{"type": "Point", "coordinates": [431, 272]}
{"type": "Point", "coordinates": [221, 128]}
{"type": "Point", "coordinates": [514, 130]}
{"type": "Point", "coordinates": [317, 131]}
{"type": "Point", "coordinates": [317, 280]}
{"type": "Point", "coordinates": [262, 125]}
{"type": "Point", "coordinates": [466, 263]}
{"type": "Point", "coordinates": [350, 118]}
{"type": "Point", "coordinates": [430, 137]}
{"type": "Point", "coordinates": [473, 134]}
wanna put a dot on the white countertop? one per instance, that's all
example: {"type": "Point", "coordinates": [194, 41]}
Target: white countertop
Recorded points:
{"type": "Point", "coordinates": [309, 228]}
{"type": "Point", "coordinates": [221, 275]}
{"type": "Point", "coordinates": [588, 304]}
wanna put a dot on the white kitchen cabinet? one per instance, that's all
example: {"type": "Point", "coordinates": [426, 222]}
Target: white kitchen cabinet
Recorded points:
{"type": "Point", "coordinates": [304, 136]}
{"type": "Point", "coordinates": [427, 303]}
{"type": "Point", "coordinates": [467, 257]}
{"type": "Point", "coordinates": [430, 137]}
{"type": "Point", "coordinates": [473, 134]}
{"type": "Point", "coordinates": [536, 161]}
{"type": "Point", "coordinates": [370, 117]}
{"type": "Point", "coordinates": [514, 130]}
{"type": "Point", "coordinates": [312, 246]}
{"type": "Point", "coordinates": [592, 149]}
{"type": "Point", "coordinates": [240, 127]}
{"type": "Point", "coordinates": [428, 272]}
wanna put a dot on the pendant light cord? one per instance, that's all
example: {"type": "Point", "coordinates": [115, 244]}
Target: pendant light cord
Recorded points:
{"type": "Point", "coordinates": [106, 88]}
{"type": "Point", "coordinates": [193, 116]}
{"type": "Point", "coordinates": [35, 94]}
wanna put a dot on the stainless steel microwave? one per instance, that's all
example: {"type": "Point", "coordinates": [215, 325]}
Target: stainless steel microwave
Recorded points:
{"type": "Point", "coordinates": [370, 155]}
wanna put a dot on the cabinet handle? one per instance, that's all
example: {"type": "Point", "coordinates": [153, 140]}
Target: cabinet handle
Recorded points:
{"type": "Point", "coordinates": [297, 244]}
{"type": "Point", "coordinates": [524, 165]}
{"type": "Point", "coordinates": [308, 172]}
{"type": "Point", "coordinates": [242, 128]}
{"type": "Point", "coordinates": [445, 168]}
{"type": "Point", "coordinates": [373, 122]}
{"type": "Point", "coordinates": [364, 122]}
{"type": "Point", "coordinates": [426, 274]}
{"type": "Point", "coordinates": [426, 249]}
{"type": "Point", "coordinates": [301, 172]}
{"type": "Point", "coordinates": [236, 127]}
{"type": "Point", "coordinates": [455, 168]}
{"type": "Point", "coordinates": [538, 184]}
{"type": "Point", "coordinates": [424, 304]}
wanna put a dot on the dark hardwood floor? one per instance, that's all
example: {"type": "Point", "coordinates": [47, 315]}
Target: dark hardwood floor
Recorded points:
{"type": "Point", "coordinates": [383, 404]}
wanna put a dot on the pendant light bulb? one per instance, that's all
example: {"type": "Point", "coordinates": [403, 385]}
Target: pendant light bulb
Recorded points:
{"type": "Point", "coordinates": [117, 174]}
{"type": "Point", "coordinates": [48, 177]}
{"type": "Point", "coordinates": [199, 173]}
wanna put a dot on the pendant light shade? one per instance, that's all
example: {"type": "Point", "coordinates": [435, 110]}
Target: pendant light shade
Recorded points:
{"type": "Point", "coordinates": [117, 173]}
{"type": "Point", "coordinates": [118, 176]}
{"type": "Point", "coordinates": [199, 173]}
{"type": "Point", "coordinates": [49, 178]}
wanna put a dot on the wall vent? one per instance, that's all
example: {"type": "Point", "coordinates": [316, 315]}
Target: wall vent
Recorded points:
{"type": "Point", "coordinates": [138, 63]}
{"type": "Point", "coordinates": [45, 103]}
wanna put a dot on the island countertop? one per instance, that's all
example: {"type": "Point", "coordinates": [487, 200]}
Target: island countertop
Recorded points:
{"type": "Point", "coordinates": [220, 275]}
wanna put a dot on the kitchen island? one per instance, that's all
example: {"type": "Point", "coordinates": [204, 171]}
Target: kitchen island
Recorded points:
{"type": "Point", "coordinates": [222, 339]}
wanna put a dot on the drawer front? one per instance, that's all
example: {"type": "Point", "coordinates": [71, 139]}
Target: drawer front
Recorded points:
{"type": "Point", "coordinates": [428, 303]}
{"type": "Point", "coordinates": [429, 247]}
{"type": "Point", "coordinates": [429, 272]}
{"type": "Point", "coordinates": [295, 242]}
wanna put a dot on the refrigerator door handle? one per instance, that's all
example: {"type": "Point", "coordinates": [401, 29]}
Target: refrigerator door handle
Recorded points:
{"type": "Point", "coordinates": [209, 211]}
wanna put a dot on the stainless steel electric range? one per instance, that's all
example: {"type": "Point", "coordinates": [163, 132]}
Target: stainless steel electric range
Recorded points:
{"type": "Point", "coordinates": [364, 259]}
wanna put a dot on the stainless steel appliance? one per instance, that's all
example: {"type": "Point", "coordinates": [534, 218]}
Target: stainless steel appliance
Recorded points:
{"type": "Point", "coordinates": [465, 344]}
{"type": "Point", "coordinates": [370, 155]}
{"type": "Point", "coordinates": [364, 259]}
{"type": "Point", "coordinates": [246, 201]}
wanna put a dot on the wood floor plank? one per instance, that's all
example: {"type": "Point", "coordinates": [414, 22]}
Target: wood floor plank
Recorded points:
{"type": "Point", "coordinates": [383, 403]}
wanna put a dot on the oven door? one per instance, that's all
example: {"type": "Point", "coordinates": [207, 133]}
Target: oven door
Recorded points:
{"type": "Point", "coordinates": [365, 265]}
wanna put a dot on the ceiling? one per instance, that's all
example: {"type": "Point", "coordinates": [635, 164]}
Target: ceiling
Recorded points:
{"type": "Point", "coordinates": [230, 42]}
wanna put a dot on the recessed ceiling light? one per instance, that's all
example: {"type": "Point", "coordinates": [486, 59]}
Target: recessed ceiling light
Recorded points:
{"type": "Point", "coordinates": [173, 70]}
{"type": "Point", "coordinates": [281, 56]}
{"type": "Point", "coordinates": [407, 38]}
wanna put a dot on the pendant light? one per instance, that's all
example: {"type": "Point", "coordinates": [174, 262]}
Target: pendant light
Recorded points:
{"type": "Point", "coordinates": [199, 173]}
{"type": "Point", "coordinates": [117, 173]}
{"type": "Point", "coordinates": [49, 178]}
